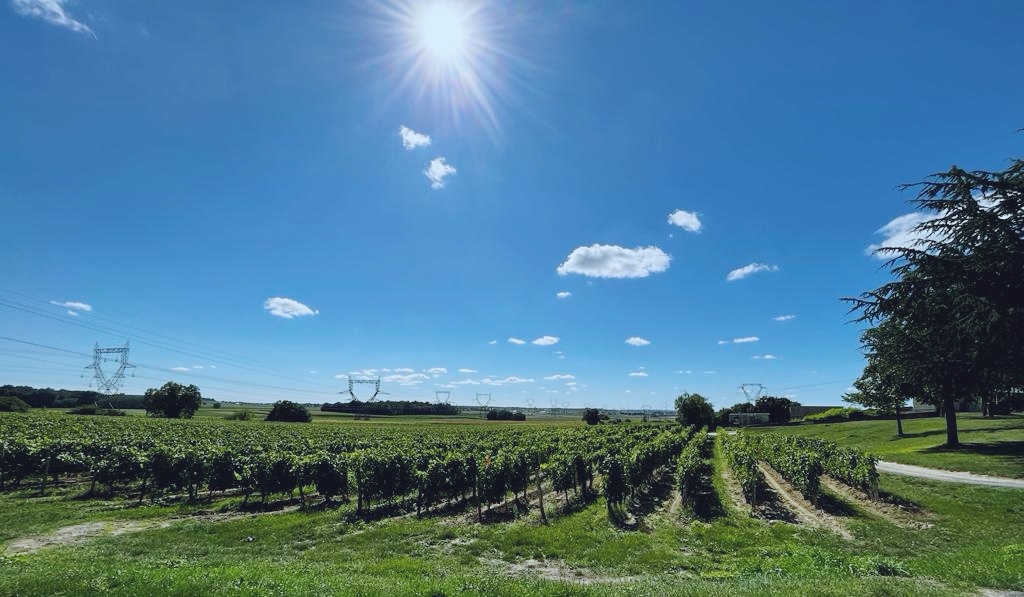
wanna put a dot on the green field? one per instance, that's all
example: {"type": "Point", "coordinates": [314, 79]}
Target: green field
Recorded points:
{"type": "Point", "coordinates": [989, 445]}
{"type": "Point", "coordinates": [963, 537]}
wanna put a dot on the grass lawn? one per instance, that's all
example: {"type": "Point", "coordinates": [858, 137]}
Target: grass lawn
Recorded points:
{"type": "Point", "coordinates": [974, 539]}
{"type": "Point", "coordinates": [992, 446]}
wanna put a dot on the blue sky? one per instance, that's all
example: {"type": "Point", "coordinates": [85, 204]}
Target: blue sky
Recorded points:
{"type": "Point", "coordinates": [596, 204]}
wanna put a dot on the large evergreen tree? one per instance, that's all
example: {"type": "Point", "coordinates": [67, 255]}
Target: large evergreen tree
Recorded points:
{"type": "Point", "coordinates": [955, 312]}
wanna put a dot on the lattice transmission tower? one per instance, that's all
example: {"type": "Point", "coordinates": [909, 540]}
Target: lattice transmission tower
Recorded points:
{"type": "Point", "coordinates": [483, 399]}
{"type": "Point", "coordinates": [110, 384]}
{"type": "Point", "coordinates": [443, 396]}
{"type": "Point", "coordinates": [752, 391]}
{"type": "Point", "coordinates": [374, 381]}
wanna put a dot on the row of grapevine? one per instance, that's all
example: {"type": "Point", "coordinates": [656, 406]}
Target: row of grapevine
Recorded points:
{"type": "Point", "coordinates": [632, 465]}
{"type": "Point", "coordinates": [692, 466]}
{"type": "Point", "coordinates": [741, 452]}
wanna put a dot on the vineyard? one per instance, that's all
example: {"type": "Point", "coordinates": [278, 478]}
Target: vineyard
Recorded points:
{"type": "Point", "coordinates": [450, 509]}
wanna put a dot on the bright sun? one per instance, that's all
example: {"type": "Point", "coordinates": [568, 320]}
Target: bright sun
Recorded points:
{"type": "Point", "coordinates": [441, 29]}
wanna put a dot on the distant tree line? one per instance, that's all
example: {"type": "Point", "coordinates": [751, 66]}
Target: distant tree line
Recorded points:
{"type": "Point", "coordinates": [501, 414]}
{"type": "Point", "coordinates": [50, 398]}
{"type": "Point", "coordinates": [391, 407]}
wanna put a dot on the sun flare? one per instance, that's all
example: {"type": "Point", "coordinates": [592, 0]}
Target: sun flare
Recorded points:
{"type": "Point", "coordinates": [442, 31]}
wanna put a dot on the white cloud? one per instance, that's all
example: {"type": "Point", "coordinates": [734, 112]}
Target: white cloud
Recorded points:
{"type": "Point", "coordinates": [436, 172]}
{"type": "Point", "coordinates": [638, 374]}
{"type": "Point", "coordinates": [467, 371]}
{"type": "Point", "coordinates": [514, 379]}
{"type": "Point", "coordinates": [766, 357]}
{"type": "Point", "coordinates": [749, 269]}
{"type": "Point", "coordinates": [613, 261]}
{"type": "Point", "coordinates": [571, 384]}
{"type": "Point", "coordinates": [516, 341]}
{"type": "Point", "coordinates": [745, 340]}
{"type": "Point", "coordinates": [311, 371]}
{"type": "Point", "coordinates": [783, 317]}
{"type": "Point", "coordinates": [637, 341]}
{"type": "Point", "coordinates": [341, 376]}
{"type": "Point", "coordinates": [197, 366]}
{"type": "Point", "coordinates": [51, 11]}
{"type": "Point", "coordinates": [287, 308]}
{"type": "Point", "coordinates": [560, 376]}
{"type": "Point", "coordinates": [546, 340]}
{"type": "Point", "coordinates": [404, 370]}
{"type": "Point", "coordinates": [411, 139]}
{"type": "Point", "coordinates": [720, 342]}
{"type": "Point", "coordinates": [899, 232]}
{"type": "Point", "coordinates": [687, 220]}
{"type": "Point", "coordinates": [435, 371]}
{"type": "Point", "coordinates": [73, 305]}
{"type": "Point", "coordinates": [410, 379]}
{"type": "Point", "coordinates": [493, 342]}
{"type": "Point", "coordinates": [564, 294]}
{"type": "Point", "coordinates": [72, 313]}
{"type": "Point", "coordinates": [179, 368]}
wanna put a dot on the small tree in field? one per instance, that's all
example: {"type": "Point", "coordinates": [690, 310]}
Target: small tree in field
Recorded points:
{"type": "Point", "coordinates": [591, 416]}
{"type": "Point", "coordinates": [288, 411]}
{"type": "Point", "coordinates": [694, 409]}
{"type": "Point", "coordinates": [172, 401]}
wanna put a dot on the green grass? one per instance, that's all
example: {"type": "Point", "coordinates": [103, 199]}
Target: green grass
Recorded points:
{"type": "Point", "coordinates": [992, 446]}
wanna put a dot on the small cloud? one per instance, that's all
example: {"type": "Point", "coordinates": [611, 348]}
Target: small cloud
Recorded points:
{"type": "Point", "coordinates": [179, 369]}
{"type": "Point", "coordinates": [215, 366]}
{"type": "Point", "coordinates": [51, 11]}
{"type": "Point", "coordinates": [436, 172]}
{"type": "Point", "coordinates": [404, 370]}
{"type": "Point", "coordinates": [467, 370]}
{"type": "Point", "coordinates": [564, 294]}
{"type": "Point", "coordinates": [745, 340]}
{"type": "Point", "coordinates": [613, 261]}
{"type": "Point", "coordinates": [411, 139]}
{"type": "Point", "coordinates": [783, 317]}
{"type": "Point", "coordinates": [687, 220]}
{"type": "Point", "coordinates": [287, 308]}
{"type": "Point", "coordinates": [637, 341]}
{"type": "Point", "coordinates": [766, 357]}
{"type": "Point", "coordinates": [709, 372]}
{"type": "Point", "coordinates": [435, 371]}
{"type": "Point", "coordinates": [311, 371]}
{"type": "Point", "coordinates": [410, 379]}
{"type": "Point", "coordinates": [341, 376]}
{"type": "Point", "coordinates": [72, 313]}
{"type": "Point", "coordinates": [720, 342]}
{"type": "Point", "coordinates": [514, 379]}
{"type": "Point", "coordinates": [900, 233]}
{"type": "Point", "coordinates": [197, 366]}
{"type": "Point", "coordinates": [516, 341]}
{"type": "Point", "coordinates": [73, 305]}
{"type": "Point", "coordinates": [546, 340]}
{"type": "Point", "coordinates": [750, 269]}
{"type": "Point", "coordinates": [638, 374]}
{"type": "Point", "coordinates": [560, 376]}
{"type": "Point", "coordinates": [493, 342]}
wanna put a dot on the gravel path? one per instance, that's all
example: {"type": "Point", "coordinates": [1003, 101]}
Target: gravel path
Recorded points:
{"type": "Point", "coordinates": [950, 476]}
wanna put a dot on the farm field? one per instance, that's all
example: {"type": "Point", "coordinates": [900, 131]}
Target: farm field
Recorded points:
{"type": "Point", "coordinates": [920, 538]}
{"type": "Point", "coordinates": [990, 446]}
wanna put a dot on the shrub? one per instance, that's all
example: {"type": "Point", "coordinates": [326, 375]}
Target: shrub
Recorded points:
{"type": "Point", "coordinates": [592, 416]}
{"type": "Point", "coordinates": [505, 415]}
{"type": "Point", "coordinates": [12, 404]}
{"type": "Point", "coordinates": [834, 415]}
{"type": "Point", "coordinates": [95, 410]}
{"type": "Point", "coordinates": [288, 411]}
{"type": "Point", "coordinates": [242, 414]}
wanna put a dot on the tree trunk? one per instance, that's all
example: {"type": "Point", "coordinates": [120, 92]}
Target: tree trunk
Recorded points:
{"type": "Point", "coordinates": [899, 422]}
{"type": "Point", "coordinates": [540, 495]}
{"type": "Point", "coordinates": [949, 405]}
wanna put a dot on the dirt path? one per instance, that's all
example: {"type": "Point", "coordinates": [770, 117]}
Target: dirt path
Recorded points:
{"type": "Point", "coordinates": [935, 474]}
{"type": "Point", "coordinates": [77, 533]}
{"type": "Point", "coordinates": [892, 513]}
{"type": "Point", "coordinates": [803, 509]}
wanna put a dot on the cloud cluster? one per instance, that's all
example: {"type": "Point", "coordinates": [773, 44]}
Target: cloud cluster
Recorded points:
{"type": "Point", "coordinates": [411, 139]}
{"type": "Point", "coordinates": [516, 341]}
{"type": "Point", "coordinates": [558, 376]}
{"type": "Point", "coordinates": [638, 374]}
{"type": "Point", "coordinates": [750, 269]}
{"type": "Point", "coordinates": [687, 220]}
{"type": "Point", "coordinates": [563, 295]}
{"type": "Point", "coordinates": [613, 261]}
{"type": "Point", "coordinates": [72, 306]}
{"type": "Point", "coordinates": [783, 317]}
{"type": "Point", "coordinates": [766, 357]}
{"type": "Point", "coordinates": [637, 341]}
{"type": "Point", "coordinates": [287, 308]}
{"type": "Point", "coordinates": [51, 11]}
{"type": "Point", "coordinates": [744, 340]}
{"type": "Point", "coordinates": [436, 172]}
{"type": "Point", "coordinates": [546, 340]}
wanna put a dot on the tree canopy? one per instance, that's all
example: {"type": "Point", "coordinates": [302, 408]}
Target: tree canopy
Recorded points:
{"type": "Point", "coordinates": [694, 409]}
{"type": "Point", "coordinates": [172, 401]}
{"type": "Point", "coordinates": [288, 411]}
{"type": "Point", "coordinates": [954, 315]}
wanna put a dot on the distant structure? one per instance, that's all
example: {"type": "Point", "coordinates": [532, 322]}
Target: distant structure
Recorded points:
{"type": "Point", "coordinates": [483, 399]}
{"type": "Point", "coordinates": [110, 385]}
{"type": "Point", "coordinates": [376, 387]}
{"type": "Point", "coordinates": [443, 396]}
{"type": "Point", "coordinates": [752, 391]}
